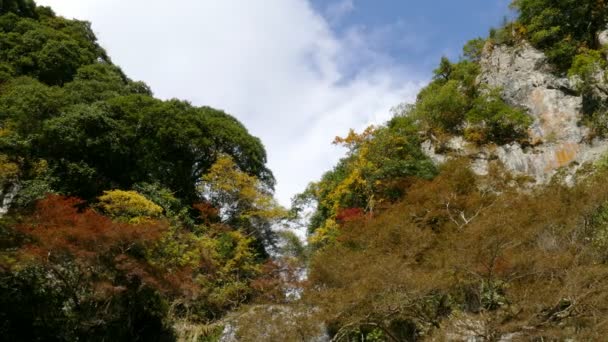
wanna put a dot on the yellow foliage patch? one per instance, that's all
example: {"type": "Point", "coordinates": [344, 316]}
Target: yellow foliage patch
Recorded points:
{"type": "Point", "coordinates": [228, 185]}
{"type": "Point", "coordinates": [128, 205]}
{"type": "Point", "coordinates": [8, 169]}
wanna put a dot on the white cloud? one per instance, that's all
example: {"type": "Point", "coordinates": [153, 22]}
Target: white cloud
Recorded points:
{"type": "Point", "coordinates": [273, 64]}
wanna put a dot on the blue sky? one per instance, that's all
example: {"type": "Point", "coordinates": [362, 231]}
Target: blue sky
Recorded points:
{"type": "Point", "coordinates": [415, 33]}
{"type": "Point", "coordinates": [297, 73]}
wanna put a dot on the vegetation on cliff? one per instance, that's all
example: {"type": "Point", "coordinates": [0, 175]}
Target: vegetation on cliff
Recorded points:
{"type": "Point", "coordinates": [443, 253]}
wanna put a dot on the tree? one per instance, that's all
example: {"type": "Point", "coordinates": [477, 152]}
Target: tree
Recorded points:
{"type": "Point", "coordinates": [473, 49]}
{"type": "Point", "coordinates": [562, 27]}
{"type": "Point", "coordinates": [463, 248]}
{"type": "Point", "coordinates": [26, 8]}
{"type": "Point", "coordinates": [492, 120]}
{"type": "Point", "coordinates": [89, 149]}
{"type": "Point", "coordinates": [75, 262]}
{"type": "Point", "coordinates": [442, 107]}
{"type": "Point", "coordinates": [243, 201]}
{"type": "Point", "coordinates": [379, 162]}
{"type": "Point", "coordinates": [116, 264]}
{"type": "Point", "coordinates": [26, 103]}
{"type": "Point", "coordinates": [95, 82]}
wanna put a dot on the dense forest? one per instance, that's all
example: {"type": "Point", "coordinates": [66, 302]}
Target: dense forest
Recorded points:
{"type": "Point", "coordinates": [130, 218]}
{"type": "Point", "coordinates": [127, 213]}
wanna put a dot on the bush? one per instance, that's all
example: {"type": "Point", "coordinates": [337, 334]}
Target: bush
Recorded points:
{"type": "Point", "coordinates": [585, 66]}
{"type": "Point", "coordinates": [562, 27]}
{"type": "Point", "coordinates": [495, 121]}
{"type": "Point", "coordinates": [128, 205]}
{"type": "Point", "coordinates": [473, 48]}
{"type": "Point", "coordinates": [442, 106]}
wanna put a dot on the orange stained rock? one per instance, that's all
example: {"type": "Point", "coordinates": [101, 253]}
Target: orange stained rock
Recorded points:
{"type": "Point", "coordinates": [565, 155]}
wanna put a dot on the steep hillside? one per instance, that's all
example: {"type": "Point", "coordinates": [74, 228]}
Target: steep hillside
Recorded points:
{"type": "Point", "coordinates": [124, 217]}
{"type": "Point", "coordinates": [478, 212]}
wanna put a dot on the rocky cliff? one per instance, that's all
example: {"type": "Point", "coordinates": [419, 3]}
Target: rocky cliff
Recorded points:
{"type": "Point", "coordinates": [557, 138]}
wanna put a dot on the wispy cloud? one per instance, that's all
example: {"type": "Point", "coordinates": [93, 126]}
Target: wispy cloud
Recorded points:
{"type": "Point", "coordinates": [337, 10]}
{"type": "Point", "coordinates": [276, 66]}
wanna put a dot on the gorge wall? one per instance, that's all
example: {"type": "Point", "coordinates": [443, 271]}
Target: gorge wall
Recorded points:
{"type": "Point", "coordinates": [557, 137]}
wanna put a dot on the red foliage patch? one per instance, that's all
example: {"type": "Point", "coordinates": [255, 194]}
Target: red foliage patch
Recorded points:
{"type": "Point", "coordinates": [207, 212]}
{"type": "Point", "coordinates": [110, 249]}
{"type": "Point", "coordinates": [349, 215]}
{"type": "Point", "coordinates": [59, 227]}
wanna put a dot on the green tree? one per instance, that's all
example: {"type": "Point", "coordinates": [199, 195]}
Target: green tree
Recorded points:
{"type": "Point", "coordinates": [561, 27]}
{"type": "Point", "coordinates": [442, 107]}
{"type": "Point", "coordinates": [26, 8]}
{"type": "Point", "coordinates": [492, 120]}
{"type": "Point", "coordinates": [25, 104]}
{"type": "Point", "coordinates": [96, 82]}
{"type": "Point", "coordinates": [473, 49]}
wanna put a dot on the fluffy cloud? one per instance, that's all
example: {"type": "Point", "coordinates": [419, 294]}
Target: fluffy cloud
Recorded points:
{"type": "Point", "coordinates": [274, 64]}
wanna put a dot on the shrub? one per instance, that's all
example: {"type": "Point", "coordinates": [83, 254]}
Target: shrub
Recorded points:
{"type": "Point", "coordinates": [585, 66]}
{"type": "Point", "coordinates": [128, 205]}
{"type": "Point", "coordinates": [442, 106]}
{"type": "Point", "coordinates": [493, 120]}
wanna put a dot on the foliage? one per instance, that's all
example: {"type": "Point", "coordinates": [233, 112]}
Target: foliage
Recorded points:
{"type": "Point", "coordinates": [509, 33]}
{"type": "Point", "coordinates": [473, 49]}
{"type": "Point", "coordinates": [400, 248]}
{"type": "Point", "coordinates": [562, 27]}
{"type": "Point", "coordinates": [600, 234]}
{"type": "Point", "coordinates": [75, 262]}
{"type": "Point", "coordinates": [65, 102]}
{"type": "Point", "coordinates": [442, 106]}
{"type": "Point", "coordinates": [128, 205]}
{"type": "Point", "coordinates": [453, 103]}
{"type": "Point", "coordinates": [238, 195]}
{"type": "Point", "coordinates": [512, 262]}
{"type": "Point", "coordinates": [8, 170]}
{"type": "Point", "coordinates": [492, 120]}
{"type": "Point", "coordinates": [380, 160]}
{"type": "Point", "coordinates": [26, 8]}
{"type": "Point", "coordinates": [588, 71]}
{"type": "Point", "coordinates": [108, 264]}
{"type": "Point", "coordinates": [586, 65]}
{"type": "Point", "coordinates": [49, 49]}
{"type": "Point", "coordinates": [244, 202]}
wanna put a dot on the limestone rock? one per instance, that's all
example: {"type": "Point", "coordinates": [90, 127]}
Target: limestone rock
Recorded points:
{"type": "Point", "coordinates": [523, 75]}
{"type": "Point", "coordinates": [602, 38]}
{"type": "Point", "coordinates": [557, 140]}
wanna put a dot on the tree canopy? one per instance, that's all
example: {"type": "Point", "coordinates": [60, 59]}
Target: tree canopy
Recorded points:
{"type": "Point", "coordinates": [109, 234]}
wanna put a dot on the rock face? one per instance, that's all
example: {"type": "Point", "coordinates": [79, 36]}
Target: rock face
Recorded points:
{"type": "Point", "coordinates": [525, 81]}
{"type": "Point", "coordinates": [602, 38]}
{"type": "Point", "coordinates": [557, 138]}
